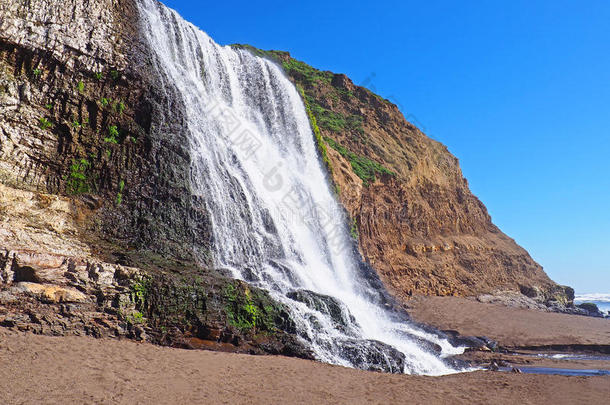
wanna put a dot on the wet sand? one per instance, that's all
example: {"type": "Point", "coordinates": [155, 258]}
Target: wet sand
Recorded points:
{"type": "Point", "coordinates": [42, 369]}
{"type": "Point", "coordinates": [510, 327]}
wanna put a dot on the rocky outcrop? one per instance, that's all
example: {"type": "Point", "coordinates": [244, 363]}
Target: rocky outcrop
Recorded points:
{"type": "Point", "coordinates": [416, 221]}
{"type": "Point", "coordinates": [61, 295]}
{"type": "Point", "coordinates": [100, 232]}
{"type": "Point", "coordinates": [51, 282]}
{"type": "Point", "coordinates": [84, 113]}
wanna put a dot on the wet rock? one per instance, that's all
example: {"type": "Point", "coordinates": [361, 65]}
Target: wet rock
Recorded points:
{"type": "Point", "coordinates": [421, 342]}
{"type": "Point", "coordinates": [496, 364]}
{"type": "Point", "coordinates": [471, 342]}
{"type": "Point", "coordinates": [372, 355]}
{"type": "Point", "coordinates": [214, 308]}
{"type": "Point", "coordinates": [489, 343]}
{"type": "Point", "coordinates": [288, 345]}
{"type": "Point", "coordinates": [590, 309]}
{"type": "Point", "coordinates": [327, 305]}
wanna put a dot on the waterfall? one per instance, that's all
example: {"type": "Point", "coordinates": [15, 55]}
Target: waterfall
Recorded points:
{"type": "Point", "coordinates": [275, 220]}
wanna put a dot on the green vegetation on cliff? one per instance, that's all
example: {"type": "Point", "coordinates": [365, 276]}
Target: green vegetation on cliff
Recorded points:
{"type": "Point", "coordinates": [241, 311]}
{"type": "Point", "coordinates": [331, 120]}
{"type": "Point", "coordinates": [44, 123]}
{"type": "Point", "coordinates": [250, 309]}
{"type": "Point", "coordinates": [353, 230]}
{"type": "Point", "coordinates": [308, 74]}
{"type": "Point", "coordinates": [327, 119]}
{"type": "Point", "coordinates": [316, 131]}
{"type": "Point", "coordinates": [308, 81]}
{"type": "Point", "coordinates": [119, 195]}
{"type": "Point", "coordinates": [113, 133]}
{"type": "Point", "coordinates": [78, 181]}
{"type": "Point", "coordinates": [198, 303]}
{"type": "Point", "coordinates": [140, 289]}
{"type": "Point", "coordinates": [363, 167]}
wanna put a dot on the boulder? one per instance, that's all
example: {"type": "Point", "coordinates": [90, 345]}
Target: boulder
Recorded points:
{"type": "Point", "coordinates": [335, 309]}
{"type": "Point", "coordinates": [372, 355]}
{"type": "Point", "coordinates": [51, 293]}
{"type": "Point", "coordinates": [39, 267]}
{"type": "Point", "coordinates": [591, 309]}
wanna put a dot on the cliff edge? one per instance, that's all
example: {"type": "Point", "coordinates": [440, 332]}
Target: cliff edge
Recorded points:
{"type": "Point", "coordinates": [417, 222]}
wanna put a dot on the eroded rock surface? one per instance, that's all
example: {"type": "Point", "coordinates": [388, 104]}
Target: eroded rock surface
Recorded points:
{"type": "Point", "coordinates": [100, 233]}
{"type": "Point", "coordinates": [416, 221]}
{"type": "Point", "coordinates": [84, 113]}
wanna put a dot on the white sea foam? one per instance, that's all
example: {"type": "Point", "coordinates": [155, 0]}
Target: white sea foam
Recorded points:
{"type": "Point", "coordinates": [600, 297]}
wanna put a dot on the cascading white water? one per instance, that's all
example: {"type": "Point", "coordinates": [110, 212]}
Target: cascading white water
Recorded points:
{"type": "Point", "coordinates": [275, 221]}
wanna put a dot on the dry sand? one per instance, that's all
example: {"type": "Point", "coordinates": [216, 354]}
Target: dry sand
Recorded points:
{"type": "Point", "coordinates": [65, 370]}
{"type": "Point", "coordinates": [510, 327]}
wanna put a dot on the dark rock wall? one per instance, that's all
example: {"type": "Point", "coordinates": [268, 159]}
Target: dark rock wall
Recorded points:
{"type": "Point", "coordinates": [100, 232]}
{"type": "Point", "coordinates": [78, 87]}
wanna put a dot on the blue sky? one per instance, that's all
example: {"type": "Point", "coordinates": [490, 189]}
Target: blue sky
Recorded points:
{"type": "Point", "coordinates": [519, 91]}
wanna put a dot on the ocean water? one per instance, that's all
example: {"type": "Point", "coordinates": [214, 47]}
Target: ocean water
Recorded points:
{"type": "Point", "coordinates": [601, 300]}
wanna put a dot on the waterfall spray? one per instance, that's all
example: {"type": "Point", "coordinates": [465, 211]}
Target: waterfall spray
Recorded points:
{"type": "Point", "coordinates": [275, 220]}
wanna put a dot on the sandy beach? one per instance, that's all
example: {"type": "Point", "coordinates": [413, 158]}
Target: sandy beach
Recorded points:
{"type": "Point", "coordinates": [510, 327]}
{"type": "Point", "coordinates": [43, 369]}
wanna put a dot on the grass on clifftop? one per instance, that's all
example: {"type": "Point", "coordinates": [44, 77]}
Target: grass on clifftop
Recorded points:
{"type": "Point", "coordinates": [307, 77]}
{"type": "Point", "coordinates": [274, 55]}
{"type": "Point", "coordinates": [292, 66]}
{"type": "Point", "coordinates": [311, 75]}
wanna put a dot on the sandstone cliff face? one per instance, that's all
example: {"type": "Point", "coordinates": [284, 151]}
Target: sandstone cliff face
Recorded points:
{"type": "Point", "coordinates": [99, 231]}
{"type": "Point", "coordinates": [417, 222]}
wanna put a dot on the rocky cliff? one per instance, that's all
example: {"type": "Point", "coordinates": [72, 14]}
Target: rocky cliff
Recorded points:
{"type": "Point", "coordinates": [100, 232]}
{"type": "Point", "coordinates": [84, 114]}
{"type": "Point", "coordinates": [416, 220]}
